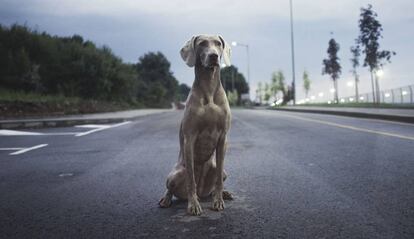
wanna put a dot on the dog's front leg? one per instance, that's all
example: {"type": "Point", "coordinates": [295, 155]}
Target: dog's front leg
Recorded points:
{"type": "Point", "coordinates": [218, 202]}
{"type": "Point", "coordinates": [194, 207]}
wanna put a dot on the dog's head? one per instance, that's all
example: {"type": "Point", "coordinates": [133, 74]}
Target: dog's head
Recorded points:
{"type": "Point", "coordinates": [206, 51]}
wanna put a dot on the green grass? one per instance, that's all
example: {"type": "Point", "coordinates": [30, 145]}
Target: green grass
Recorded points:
{"type": "Point", "coordinates": [21, 104]}
{"type": "Point", "coordinates": [362, 105]}
{"type": "Point", "coordinates": [20, 96]}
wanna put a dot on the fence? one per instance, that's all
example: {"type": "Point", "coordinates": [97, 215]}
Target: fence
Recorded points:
{"type": "Point", "coordinates": [401, 95]}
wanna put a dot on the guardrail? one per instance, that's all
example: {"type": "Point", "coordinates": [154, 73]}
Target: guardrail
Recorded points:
{"type": "Point", "coordinates": [401, 95]}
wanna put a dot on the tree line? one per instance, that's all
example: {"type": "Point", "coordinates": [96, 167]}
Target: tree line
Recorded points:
{"type": "Point", "coordinates": [36, 62]}
{"type": "Point", "coordinates": [367, 43]}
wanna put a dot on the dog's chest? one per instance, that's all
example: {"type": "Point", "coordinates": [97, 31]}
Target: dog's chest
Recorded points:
{"type": "Point", "coordinates": [205, 145]}
{"type": "Point", "coordinates": [211, 117]}
{"type": "Point", "coordinates": [211, 122]}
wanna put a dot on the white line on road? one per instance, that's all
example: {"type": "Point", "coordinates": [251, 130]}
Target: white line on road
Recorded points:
{"type": "Point", "coordinates": [10, 149]}
{"type": "Point", "coordinates": [5, 132]}
{"type": "Point", "coordinates": [98, 128]}
{"type": "Point", "coordinates": [24, 150]}
{"type": "Point", "coordinates": [351, 127]}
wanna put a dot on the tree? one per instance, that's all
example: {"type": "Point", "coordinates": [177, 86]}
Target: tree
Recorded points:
{"type": "Point", "coordinates": [306, 83]}
{"type": "Point", "coordinates": [332, 66]}
{"type": "Point", "coordinates": [232, 80]}
{"type": "Point", "coordinates": [355, 63]}
{"type": "Point", "coordinates": [259, 92]}
{"type": "Point", "coordinates": [159, 86]}
{"type": "Point", "coordinates": [370, 33]}
{"type": "Point", "coordinates": [74, 67]}
{"type": "Point", "coordinates": [278, 85]}
{"type": "Point", "coordinates": [233, 97]}
{"type": "Point", "coordinates": [267, 92]}
{"type": "Point", "coordinates": [183, 91]}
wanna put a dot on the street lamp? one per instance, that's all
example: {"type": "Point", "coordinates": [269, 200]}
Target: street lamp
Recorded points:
{"type": "Point", "coordinates": [379, 73]}
{"type": "Point", "coordinates": [293, 52]}
{"type": "Point", "coordinates": [234, 43]}
{"type": "Point", "coordinates": [223, 65]}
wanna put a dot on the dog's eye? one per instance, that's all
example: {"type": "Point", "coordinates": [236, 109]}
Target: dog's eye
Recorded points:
{"type": "Point", "coordinates": [218, 43]}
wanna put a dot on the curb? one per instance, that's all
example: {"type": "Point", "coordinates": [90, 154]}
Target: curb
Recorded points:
{"type": "Point", "coordinates": [398, 118]}
{"type": "Point", "coordinates": [51, 123]}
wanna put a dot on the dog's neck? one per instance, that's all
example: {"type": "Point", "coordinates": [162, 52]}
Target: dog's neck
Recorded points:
{"type": "Point", "coordinates": [206, 83]}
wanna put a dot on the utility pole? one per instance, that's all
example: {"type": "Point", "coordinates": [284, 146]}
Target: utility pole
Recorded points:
{"type": "Point", "coordinates": [293, 53]}
{"type": "Point", "coordinates": [234, 43]}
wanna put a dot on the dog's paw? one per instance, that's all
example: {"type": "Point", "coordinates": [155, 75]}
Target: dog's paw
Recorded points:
{"type": "Point", "coordinates": [218, 204]}
{"type": "Point", "coordinates": [194, 208]}
{"type": "Point", "coordinates": [228, 195]}
{"type": "Point", "coordinates": [165, 202]}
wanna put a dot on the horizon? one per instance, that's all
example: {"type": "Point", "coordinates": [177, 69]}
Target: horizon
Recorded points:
{"type": "Point", "coordinates": [265, 27]}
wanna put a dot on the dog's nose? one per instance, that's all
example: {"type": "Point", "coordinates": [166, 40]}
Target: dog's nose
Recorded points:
{"type": "Point", "coordinates": [213, 56]}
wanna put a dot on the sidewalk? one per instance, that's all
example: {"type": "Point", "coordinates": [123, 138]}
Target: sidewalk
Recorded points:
{"type": "Point", "coordinates": [69, 120]}
{"type": "Point", "coordinates": [401, 115]}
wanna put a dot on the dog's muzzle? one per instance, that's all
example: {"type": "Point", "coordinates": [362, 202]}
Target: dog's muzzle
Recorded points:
{"type": "Point", "coordinates": [213, 60]}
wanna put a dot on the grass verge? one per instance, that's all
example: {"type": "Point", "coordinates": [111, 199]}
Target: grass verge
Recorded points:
{"type": "Point", "coordinates": [17, 104]}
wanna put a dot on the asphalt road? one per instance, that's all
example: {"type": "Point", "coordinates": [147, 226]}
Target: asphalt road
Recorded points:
{"type": "Point", "coordinates": [294, 175]}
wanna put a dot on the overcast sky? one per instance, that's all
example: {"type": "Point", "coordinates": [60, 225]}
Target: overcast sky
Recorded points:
{"type": "Point", "coordinates": [133, 27]}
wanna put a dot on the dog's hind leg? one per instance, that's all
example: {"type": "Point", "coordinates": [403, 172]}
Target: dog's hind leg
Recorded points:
{"type": "Point", "coordinates": [175, 186]}
{"type": "Point", "coordinates": [166, 200]}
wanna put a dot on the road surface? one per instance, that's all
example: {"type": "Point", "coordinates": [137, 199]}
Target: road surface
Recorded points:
{"type": "Point", "coordinates": [294, 175]}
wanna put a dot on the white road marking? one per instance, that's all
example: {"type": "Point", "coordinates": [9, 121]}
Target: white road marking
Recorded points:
{"type": "Point", "coordinates": [62, 133]}
{"type": "Point", "coordinates": [5, 132]}
{"type": "Point", "coordinates": [10, 149]}
{"type": "Point", "coordinates": [92, 125]}
{"type": "Point", "coordinates": [352, 127]}
{"type": "Point", "coordinates": [98, 128]}
{"type": "Point", "coordinates": [25, 150]}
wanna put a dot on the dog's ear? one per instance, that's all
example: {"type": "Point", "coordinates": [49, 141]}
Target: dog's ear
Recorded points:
{"type": "Point", "coordinates": [226, 51]}
{"type": "Point", "coordinates": [188, 52]}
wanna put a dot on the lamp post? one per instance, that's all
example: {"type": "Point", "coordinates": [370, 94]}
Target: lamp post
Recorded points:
{"type": "Point", "coordinates": [224, 81]}
{"type": "Point", "coordinates": [293, 52]}
{"type": "Point", "coordinates": [234, 43]}
{"type": "Point", "coordinates": [379, 73]}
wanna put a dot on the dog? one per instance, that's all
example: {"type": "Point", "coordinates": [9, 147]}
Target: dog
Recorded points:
{"type": "Point", "coordinates": [199, 171]}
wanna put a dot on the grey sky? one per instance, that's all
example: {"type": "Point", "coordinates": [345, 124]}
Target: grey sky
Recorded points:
{"type": "Point", "coordinates": [132, 28]}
